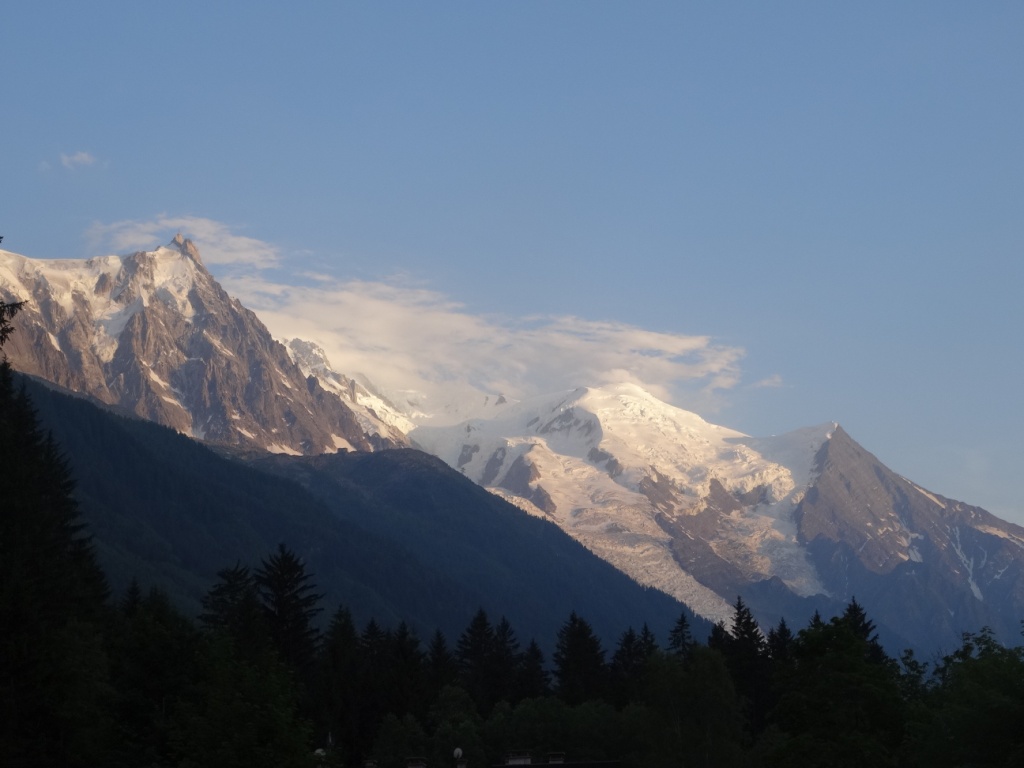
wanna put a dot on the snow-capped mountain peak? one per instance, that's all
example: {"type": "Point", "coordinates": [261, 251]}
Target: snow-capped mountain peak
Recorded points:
{"type": "Point", "coordinates": [154, 333]}
{"type": "Point", "coordinates": [624, 472]}
{"type": "Point", "coordinates": [376, 413]}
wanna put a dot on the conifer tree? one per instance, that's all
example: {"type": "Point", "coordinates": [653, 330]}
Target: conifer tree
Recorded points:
{"type": "Point", "coordinates": [290, 603]}
{"type": "Point", "coordinates": [53, 670]}
{"type": "Point", "coordinates": [442, 666]}
{"type": "Point", "coordinates": [504, 663]}
{"type": "Point", "coordinates": [648, 643]}
{"type": "Point", "coordinates": [337, 684]}
{"type": "Point", "coordinates": [780, 642]}
{"type": "Point", "coordinates": [475, 651]}
{"type": "Point", "coordinates": [232, 607]}
{"type": "Point", "coordinates": [534, 680]}
{"type": "Point", "coordinates": [579, 662]}
{"type": "Point", "coordinates": [680, 639]}
{"type": "Point", "coordinates": [627, 666]}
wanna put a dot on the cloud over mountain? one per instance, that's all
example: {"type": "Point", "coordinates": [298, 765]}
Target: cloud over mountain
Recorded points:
{"type": "Point", "coordinates": [412, 338]}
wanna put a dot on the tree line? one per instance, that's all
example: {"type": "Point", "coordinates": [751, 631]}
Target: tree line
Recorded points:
{"type": "Point", "coordinates": [262, 678]}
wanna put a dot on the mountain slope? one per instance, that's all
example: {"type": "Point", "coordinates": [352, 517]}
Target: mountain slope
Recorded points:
{"type": "Point", "coordinates": [795, 523]}
{"type": "Point", "coordinates": [401, 538]}
{"type": "Point", "coordinates": [156, 335]}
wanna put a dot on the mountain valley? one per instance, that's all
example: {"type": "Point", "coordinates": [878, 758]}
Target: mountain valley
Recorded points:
{"type": "Point", "coordinates": [695, 512]}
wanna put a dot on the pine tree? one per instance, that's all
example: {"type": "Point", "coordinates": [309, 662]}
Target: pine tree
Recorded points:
{"type": "Point", "coordinates": [53, 669]}
{"type": "Point", "coordinates": [579, 662]}
{"type": "Point", "coordinates": [290, 603]}
{"type": "Point", "coordinates": [534, 680]}
{"type": "Point", "coordinates": [626, 667]}
{"type": "Point", "coordinates": [648, 643]}
{"type": "Point", "coordinates": [504, 663]}
{"type": "Point", "coordinates": [475, 651]}
{"type": "Point", "coordinates": [780, 643]}
{"type": "Point", "coordinates": [337, 690]}
{"type": "Point", "coordinates": [680, 640]}
{"type": "Point", "coordinates": [232, 607]}
{"type": "Point", "coordinates": [856, 618]}
{"type": "Point", "coordinates": [441, 664]}
{"type": "Point", "coordinates": [746, 654]}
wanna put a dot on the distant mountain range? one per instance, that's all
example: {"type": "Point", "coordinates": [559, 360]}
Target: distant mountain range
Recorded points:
{"type": "Point", "coordinates": [795, 523]}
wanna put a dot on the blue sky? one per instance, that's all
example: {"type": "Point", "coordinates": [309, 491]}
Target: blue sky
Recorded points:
{"type": "Point", "coordinates": [775, 214]}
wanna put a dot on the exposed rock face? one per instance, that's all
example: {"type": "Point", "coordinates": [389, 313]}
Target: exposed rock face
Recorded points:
{"type": "Point", "coordinates": [795, 523]}
{"type": "Point", "coordinates": [156, 335]}
{"type": "Point", "coordinates": [918, 558]}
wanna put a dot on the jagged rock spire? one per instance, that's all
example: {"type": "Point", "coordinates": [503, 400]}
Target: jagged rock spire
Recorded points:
{"type": "Point", "coordinates": [187, 248]}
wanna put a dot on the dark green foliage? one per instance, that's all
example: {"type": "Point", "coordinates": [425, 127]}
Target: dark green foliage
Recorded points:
{"type": "Point", "coordinates": [442, 666]}
{"type": "Point", "coordinates": [838, 705]}
{"type": "Point", "coordinates": [746, 654]}
{"type": "Point", "coordinates": [680, 639]}
{"type": "Point", "coordinates": [780, 643]}
{"type": "Point", "coordinates": [474, 652]}
{"type": "Point", "coordinates": [233, 607]}
{"type": "Point", "coordinates": [53, 668]}
{"type": "Point", "coordinates": [290, 604]}
{"type": "Point", "coordinates": [627, 665]}
{"type": "Point", "coordinates": [690, 713]}
{"type": "Point", "coordinates": [335, 689]}
{"type": "Point", "coordinates": [580, 669]}
{"type": "Point", "coordinates": [534, 680]}
{"type": "Point", "coordinates": [155, 656]}
{"type": "Point", "coordinates": [973, 713]}
{"type": "Point", "coordinates": [241, 715]}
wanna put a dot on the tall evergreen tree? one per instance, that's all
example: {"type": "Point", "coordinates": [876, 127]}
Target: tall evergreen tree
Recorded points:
{"type": "Point", "coordinates": [856, 618]}
{"type": "Point", "coordinates": [442, 666]}
{"type": "Point", "coordinates": [680, 639]}
{"type": "Point", "coordinates": [579, 662]}
{"type": "Point", "coordinates": [337, 685]}
{"type": "Point", "coordinates": [626, 668]}
{"type": "Point", "coordinates": [53, 669]}
{"type": "Point", "coordinates": [475, 651]}
{"type": "Point", "coordinates": [232, 607]}
{"type": "Point", "coordinates": [534, 680]}
{"type": "Point", "coordinates": [505, 662]}
{"type": "Point", "coordinates": [648, 643]}
{"type": "Point", "coordinates": [290, 601]}
{"type": "Point", "coordinates": [780, 643]}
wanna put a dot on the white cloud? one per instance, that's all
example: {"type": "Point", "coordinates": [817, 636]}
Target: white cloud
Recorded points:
{"type": "Point", "coordinates": [77, 160]}
{"type": "Point", "coordinates": [415, 339]}
{"type": "Point", "coordinates": [411, 339]}
{"type": "Point", "coordinates": [216, 242]}
{"type": "Point", "coordinates": [769, 382]}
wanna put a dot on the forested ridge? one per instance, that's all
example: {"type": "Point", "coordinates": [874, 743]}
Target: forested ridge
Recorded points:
{"type": "Point", "coordinates": [93, 678]}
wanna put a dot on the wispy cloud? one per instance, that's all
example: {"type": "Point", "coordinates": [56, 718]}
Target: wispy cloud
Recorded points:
{"type": "Point", "coordinates": [217, 243]}
{"type": "Point", "coordinates": [419, 340]}
{"type": "Point", "coordinates": [410, 339]}
{"type": "Point", "coordinates": [77, 160]}
{"type": "Point", "coordinates": [769, 382]}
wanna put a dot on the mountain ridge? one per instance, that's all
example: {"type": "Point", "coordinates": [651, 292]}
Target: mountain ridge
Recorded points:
{"type": "Point", "coordinates": [154, 333]}
{"type": "Point", "coordinates": [796, 522]}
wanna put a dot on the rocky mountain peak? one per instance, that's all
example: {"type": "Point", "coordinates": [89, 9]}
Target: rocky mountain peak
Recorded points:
{"type": "Point", "coordinates": [187, 248]}
{"type": "Point", "coordinates": [155, 334]}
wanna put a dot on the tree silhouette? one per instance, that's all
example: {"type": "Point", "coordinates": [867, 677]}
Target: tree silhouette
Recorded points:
{"type": "Point", "coordinates": [579, 662]}
{"type": "Point", "coordinates": [52, 595]}
{"type": "Point", "coordinates": [290, 602]}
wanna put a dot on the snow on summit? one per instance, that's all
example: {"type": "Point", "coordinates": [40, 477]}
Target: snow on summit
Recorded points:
{"type": "Point", "coordinates": [106, 289]}
{"type": "Point", "coordinates": [627, 475]}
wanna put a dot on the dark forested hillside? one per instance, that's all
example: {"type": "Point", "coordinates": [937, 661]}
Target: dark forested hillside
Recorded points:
{"type": "Point", "coordinates": [398, 537]}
